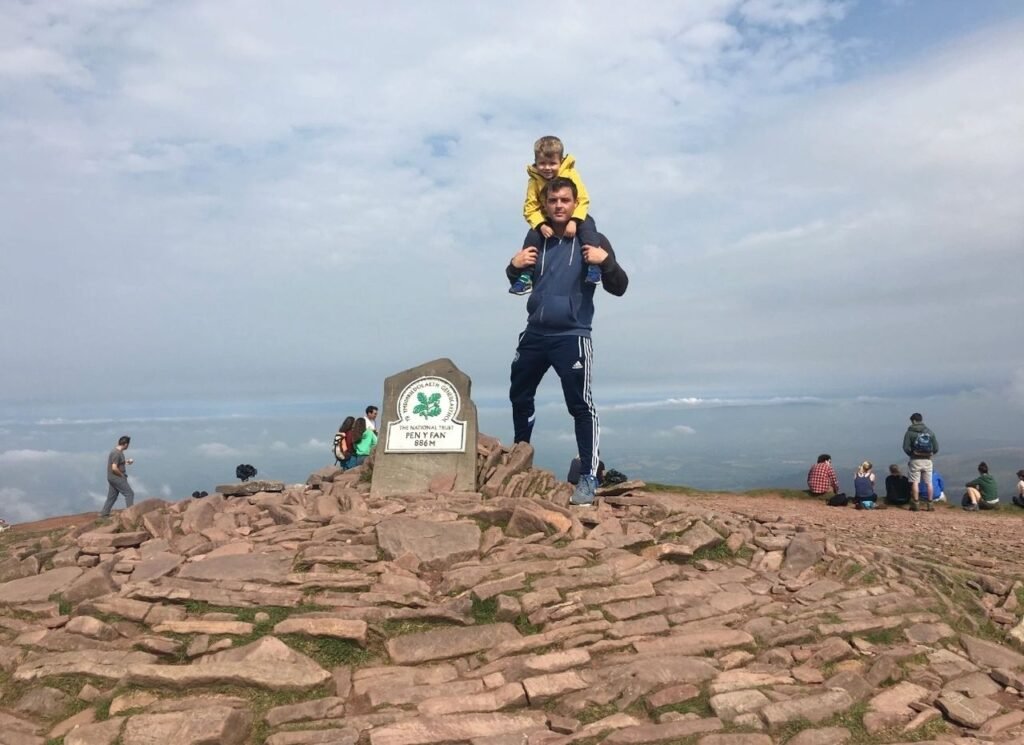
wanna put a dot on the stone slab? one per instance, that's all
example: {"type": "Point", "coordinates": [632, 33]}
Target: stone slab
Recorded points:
{"type": "Point", "coordinates": [404, 472]}
{"type": "Point", "coordinates": [441, 644]}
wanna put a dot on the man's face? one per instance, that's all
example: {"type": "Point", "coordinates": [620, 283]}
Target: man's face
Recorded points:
{"type": "Point", "coordinates": [560, 205]}
{"type": "Point", "coordinates": [372, 415]}
{"type": "Point", "coordinates": [547, 166]}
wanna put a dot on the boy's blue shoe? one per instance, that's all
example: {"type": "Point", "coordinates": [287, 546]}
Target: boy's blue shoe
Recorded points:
{"type": "Point", "coordinates": [593, 274]}
{"type": "Point", "coordinates": [522, 286]}
{"type": "Point", "coordinates": [585, 491]}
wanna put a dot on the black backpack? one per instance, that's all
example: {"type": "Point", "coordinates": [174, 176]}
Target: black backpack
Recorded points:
{"type": "Point", "coordinates": [838, 500]}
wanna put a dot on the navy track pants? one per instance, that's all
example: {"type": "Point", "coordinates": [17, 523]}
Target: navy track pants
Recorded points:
{"type": "Point", "coordinates": [573, 358]}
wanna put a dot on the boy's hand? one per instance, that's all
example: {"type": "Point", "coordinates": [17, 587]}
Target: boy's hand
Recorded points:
{"type": "Point", "coordinates": [570, 229]}
{"type": "Point", "coordinates": [546, 230]}
{"type": "Point", "coordinates": [594, 254]}
{"type": "Point", "coordinates": [527, 256]}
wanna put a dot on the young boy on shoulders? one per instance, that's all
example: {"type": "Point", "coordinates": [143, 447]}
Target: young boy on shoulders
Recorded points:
{"type": "Point", "coordinates": [549, 161]}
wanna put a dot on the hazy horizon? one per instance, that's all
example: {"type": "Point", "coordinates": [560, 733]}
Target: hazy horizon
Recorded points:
{"type": "Point", "coordinates": [52, 463]}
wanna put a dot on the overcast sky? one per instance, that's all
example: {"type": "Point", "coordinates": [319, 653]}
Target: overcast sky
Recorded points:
{"type": "Point", "coordinates": [253, 200]}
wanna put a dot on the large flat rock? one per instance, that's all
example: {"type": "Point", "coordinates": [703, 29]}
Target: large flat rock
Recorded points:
{"type": "Point", "coordinates": [436, 544]}
{"type": "Point", "coordinates": [266, 663]}
{"type": "Point", "coordinates": [695, 642]}
{"type": "Point", "coordinates": [223, 725]}
{"type": "Point", "coordinates": [990, 654]}
{"type": "Point", "coordinates": [455, 728]}
{"type": "Point", "coordinates": [38, 588]}
{"type": "Point", "coordinates": [440, 644]}
{"type": "Point", "coordinates": [273, 568]}
{"type": "Point", "coordinates": [106, 664]}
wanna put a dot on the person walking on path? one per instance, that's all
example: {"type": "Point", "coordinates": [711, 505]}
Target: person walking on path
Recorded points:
{"type": "Point", "coordinates": [117, 477]}
{"type": "Point", "coordinates": [921, 444]}
{"type": "Point", "coordinates": [558, 327]}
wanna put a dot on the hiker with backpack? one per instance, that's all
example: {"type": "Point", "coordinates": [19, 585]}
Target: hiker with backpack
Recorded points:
{"type": "Point", "coordinates": [920, 443]}
{"type": "Point", "coordinates": [344, 443]}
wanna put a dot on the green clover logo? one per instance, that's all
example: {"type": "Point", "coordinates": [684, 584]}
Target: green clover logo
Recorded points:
{"type": "Point", "coordinates": [428, 406]}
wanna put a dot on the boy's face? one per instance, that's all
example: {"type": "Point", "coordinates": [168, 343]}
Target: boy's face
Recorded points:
{"type": "Point", "coordinates": [547, 166]}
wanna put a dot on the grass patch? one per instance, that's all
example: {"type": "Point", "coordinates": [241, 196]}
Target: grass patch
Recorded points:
{"type": "Point", "coordinates": [883, 637]}
{"type": "Point", "coordinates": [522, 623]}
{"type": "Point", "coordinates": [746, 553]}
{"type": "Point", "coordinates": [64, 608]}
{"type": "Point", "coordinates": [329, 652]}
{"type": "Point", "coordinates": [484, 611]}
{"type": "Point", "coordinates": [674, 488]}
{"type": "Point", "coordinates": [700, 705]}
{"type": "Point", "coordinates": [400, 627]}
{"type": "Point", "coordinates": [594, 712]}
{"type": "Point", "coordinates": [720, 552]}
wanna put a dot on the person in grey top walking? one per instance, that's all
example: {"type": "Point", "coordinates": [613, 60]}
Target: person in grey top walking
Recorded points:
{"type": "Point", "coordinates": [117, 477]}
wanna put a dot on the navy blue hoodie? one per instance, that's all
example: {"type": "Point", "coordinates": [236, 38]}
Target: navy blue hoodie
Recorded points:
{"type": "Point", "coordinates": [562, 303]}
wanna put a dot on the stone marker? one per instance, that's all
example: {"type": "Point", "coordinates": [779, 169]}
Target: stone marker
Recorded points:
{"type": "Point", "coordinates": [428, 432]}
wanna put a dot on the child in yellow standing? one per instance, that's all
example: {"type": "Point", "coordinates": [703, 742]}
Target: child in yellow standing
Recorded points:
{"type": "Point", "coordinates": [550, 160]}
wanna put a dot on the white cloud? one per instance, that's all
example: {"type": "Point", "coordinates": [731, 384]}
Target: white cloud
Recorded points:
{"type": "Point", "coordinates": [15, 457]}
{"type": "Point", "coordinates": [768, 198]}
{"type": "Point", "coordinates": [684, 429]}
{"type": "Point", "coordinates": [217, 450]}
{"type": "Point", "coordinates": [16, 507]}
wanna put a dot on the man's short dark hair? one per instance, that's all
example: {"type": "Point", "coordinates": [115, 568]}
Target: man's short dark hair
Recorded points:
{"type": "Point", "coordinates": [558, 183]}
{"type": "Point", "coordinates": [124, 440]}
{"type": "Point", "coordinates": [983, 467]}
{"type": "Point", "coordinates": [370, 408]}
{"type": "Point", "coordinates": [824, 457]}
{"type": "Point", "coordinates": [916, 418]}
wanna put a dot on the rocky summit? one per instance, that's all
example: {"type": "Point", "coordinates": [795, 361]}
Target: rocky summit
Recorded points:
{"type": "Point", "coordinates": [319, 615]}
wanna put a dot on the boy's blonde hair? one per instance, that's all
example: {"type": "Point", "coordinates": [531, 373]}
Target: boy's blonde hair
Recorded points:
{"type": "Point", "coordinates": [548, 146]}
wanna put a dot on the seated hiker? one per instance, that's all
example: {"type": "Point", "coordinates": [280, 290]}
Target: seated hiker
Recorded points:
{"type": "Point", "coordinates": [1018, 498]}
{"type": "Point", "coordinates": [981, 492]}
{"type": "Point", "coordinates": [365, 441]}
{"type": "Point", "coordinates": [822, 477]}
{"type": "Point", "coordinates": [897, 487]}
{"type": "Point", "coordinates": [344, 445]}
{"type": "Point", "coordinates": [938, 487]}
{"type": "Point", "coordinates": [864, 496]}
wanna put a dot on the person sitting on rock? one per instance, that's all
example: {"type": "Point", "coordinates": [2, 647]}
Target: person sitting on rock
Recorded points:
{"type": "Point", "coordinates": [1018, 498]}
{"type": "Point", "coordinates": [344, 444]}
{"type": "Point", "coordinates": [365, 439]}
{"type": "Point", "coordinates": [822, 477]}
{"type": "Point", "coordinates": [864, 496]}
{"type": "Point", "coordinates": [897, 487]}
{"type": "Point", "coordinates": [982, 492]}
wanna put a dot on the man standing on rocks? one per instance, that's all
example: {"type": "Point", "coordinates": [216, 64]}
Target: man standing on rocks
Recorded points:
{"type": "Point", "coordinates": [560, 315]}
{"type": "Point", "coordinates": [920, 443]}
{"type": "Point", "coordinates": [371, 417]}
{"type": "Point", "coordinates": [117, 477]}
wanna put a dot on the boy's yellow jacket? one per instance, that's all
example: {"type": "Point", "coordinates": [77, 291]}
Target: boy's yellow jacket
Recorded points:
{"type": "Point", "coordinates": [533, 210]}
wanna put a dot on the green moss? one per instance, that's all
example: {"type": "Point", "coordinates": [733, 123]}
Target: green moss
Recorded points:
{"type": "Point", "coordinates": [884, 637]}
{"type": "Point", "coordinates": [522, 623]}
{"type": "Point", "coordinates": [594, 712]}
{"type": "Point", "coordinates": [63, 606]}
{"type": "Point", "coordinates": [484, 611]}
{"type": "Point", "coordinates": [330, 652]}
{"type": "Point", "coordinates": [720, 552]}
